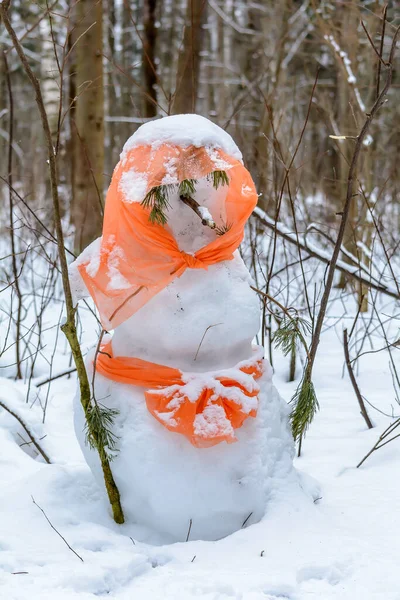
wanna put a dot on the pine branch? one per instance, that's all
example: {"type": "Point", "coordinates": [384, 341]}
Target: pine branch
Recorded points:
{"type": "Point", "coordinates": [98, 430]}
{"type": "Point", "coordinates": [291, 331]}
{"type": "Point", "coordinates": [222, 229]}
{"type": "Point", "coordinates": [187, 187]}
{"type": "Point", "coordinates": [305, 406]}
{"type": "Point", "coordinates": [218, 178]}
{"type": "Point", "coordinates": [99, 418]}
{"type": "Point", "coordinates": [157, 199]}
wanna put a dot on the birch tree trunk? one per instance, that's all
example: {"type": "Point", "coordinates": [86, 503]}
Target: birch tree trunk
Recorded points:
{"type": "Point", "coordinates": [50, 76]}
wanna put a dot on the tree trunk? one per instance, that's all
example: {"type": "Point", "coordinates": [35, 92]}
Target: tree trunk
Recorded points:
{"type": "Point", "coordinates": [347, 126]}
{"type": "Point", "coordinates": [89, 124]}
{"type": "Point", "coordinates": [149, 67]}
{"type": "Point", "coordinates": [187, 78]}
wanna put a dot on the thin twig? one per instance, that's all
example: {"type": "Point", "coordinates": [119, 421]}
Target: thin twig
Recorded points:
{"type": "Point", "coordinates": [246, 519]}
{"type": "Point", "coordinates": [195, 206]}
{"type": "Point", "coordinates": [353, 380]}
{"type": "Point", "coordinates": [373, 46]}
{"type": "Point", "coordinates": [380, 443]}
{"type": "Point", "coordinates": [11, 216]}
{"type": "Point", "coordinates": [189, 530]}
{"type": "Point", "coordinates": [57, 532]}
{"type": "Point", "coordinates": [25, 428]}
{"type": "Point", "coordinates": [50, 379]}
{"type": "Point", "coordinates": [378, 74]}
{"type": "Point", "coordinates": [204, 335]}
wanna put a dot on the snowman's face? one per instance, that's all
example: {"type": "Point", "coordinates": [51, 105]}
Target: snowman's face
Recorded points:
{"type": "Point", "coordinates": [186, 226]}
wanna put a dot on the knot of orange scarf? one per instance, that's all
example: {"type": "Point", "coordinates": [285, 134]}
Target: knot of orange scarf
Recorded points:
{"type": "Point", "coordinates": [204, 407]}
{"type": "Point", "coordinates": [192, 262]}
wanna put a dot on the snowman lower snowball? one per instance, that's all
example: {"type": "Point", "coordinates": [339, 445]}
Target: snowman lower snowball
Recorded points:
{"type": "Point", "coordinates": [202, 434]}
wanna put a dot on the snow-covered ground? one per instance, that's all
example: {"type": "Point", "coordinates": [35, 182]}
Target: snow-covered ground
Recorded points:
{"type": "Point", "coordinates": [344, 546]}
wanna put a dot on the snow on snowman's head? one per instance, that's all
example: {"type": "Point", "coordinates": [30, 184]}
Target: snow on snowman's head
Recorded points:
{"type": "Point", "coordinates": [184, 131]}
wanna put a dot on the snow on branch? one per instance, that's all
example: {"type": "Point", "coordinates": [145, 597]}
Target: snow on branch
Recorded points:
{"type": "Point", "coordinates": [353, 271]}
{"type": "Point", "coordinates": [351, 78]}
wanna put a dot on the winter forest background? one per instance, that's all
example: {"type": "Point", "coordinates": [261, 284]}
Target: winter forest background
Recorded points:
{"type": "Point", "coordinates": [293, 82]}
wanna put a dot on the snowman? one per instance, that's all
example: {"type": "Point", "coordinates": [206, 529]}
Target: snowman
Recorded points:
{"type": "Point", "coordinates": [202, 434]}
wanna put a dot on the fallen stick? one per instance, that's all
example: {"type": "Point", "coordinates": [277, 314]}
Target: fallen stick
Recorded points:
{"type": "Point", "coordinates": [28, 433]}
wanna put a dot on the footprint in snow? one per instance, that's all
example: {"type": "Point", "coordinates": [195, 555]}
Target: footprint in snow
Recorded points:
{"type": "Point", "coordinates": [333, 574]}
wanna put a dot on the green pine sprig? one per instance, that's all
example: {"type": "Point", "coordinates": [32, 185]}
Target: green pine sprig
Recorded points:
{"type": "Point", "coordinates": [187, 187]}
{"type": "Point", "coordinates": [218, 178]}
{"type": "Point", "coordinates": [98, 430]}
{"type": "Point", "coordinates": [157, 198]}
{"type": "Point", "coordinates": [305, 406]}
{"type": "Point", "coordinates": [292, 332]}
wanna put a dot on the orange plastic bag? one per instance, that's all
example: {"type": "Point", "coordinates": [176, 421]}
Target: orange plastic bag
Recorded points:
{"type": "Point", "coordinates": [137, 258]}
{"type": "Point", "coordinates": [205, 408]}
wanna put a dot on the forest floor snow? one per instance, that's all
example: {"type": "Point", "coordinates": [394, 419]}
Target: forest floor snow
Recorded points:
{"type": "Point", "coordinates": [344, 546]}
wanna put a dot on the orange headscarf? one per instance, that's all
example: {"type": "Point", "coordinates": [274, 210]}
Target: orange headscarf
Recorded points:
{"type": "Point", "coordinates": [206, 408]}
{"type": "Point", "coordinates": [137, 259]}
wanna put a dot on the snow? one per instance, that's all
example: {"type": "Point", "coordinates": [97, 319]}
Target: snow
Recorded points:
{"type": "Point", "coordinates": [205, 213]}
{"type": "Point", "coordinates": [117, 280]}
{"type": "Point", "coordinates": [183, 130]}
{"type": "Point", "coordinates": [351, 78]}
{"type": "Point", "coordinates": [368, 140]}
{"type": "Point", "coordinates": [212, 421]}
{"type": "Point", "coordinates": [170, 315]}
{"type": "Point", "coordinates": [133, 186]}
{"type": "Point", "coordinates": [171, 176]}
{"type": "Point", "coordinates": [342, 547]}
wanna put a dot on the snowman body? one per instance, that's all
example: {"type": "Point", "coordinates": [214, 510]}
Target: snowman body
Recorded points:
{"type": "Point", "coordinates": [203, 321]}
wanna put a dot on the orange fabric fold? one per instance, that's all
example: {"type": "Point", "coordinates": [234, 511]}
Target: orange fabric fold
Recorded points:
{"type": "Point", "coordinates": [204, 407]}
{"type": "Point", "coordinates": [137, 259]}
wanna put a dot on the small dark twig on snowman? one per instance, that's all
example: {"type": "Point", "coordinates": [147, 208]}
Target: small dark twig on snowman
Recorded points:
{"type": "Point", "coordinates": [201, 211]}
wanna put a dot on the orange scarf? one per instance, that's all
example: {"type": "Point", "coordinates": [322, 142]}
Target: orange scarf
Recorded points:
{"type": "Point", "coordinates": [137, 259]}
{"type": "Point", "coordinates": [204, 407]}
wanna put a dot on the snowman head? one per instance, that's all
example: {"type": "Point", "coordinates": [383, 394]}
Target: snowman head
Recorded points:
{"type": "Point", "coordinates": [191, 162]}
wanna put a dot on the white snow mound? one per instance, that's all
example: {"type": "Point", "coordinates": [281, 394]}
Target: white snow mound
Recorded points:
{"type": "Point", "coordinates": [183, 130]}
